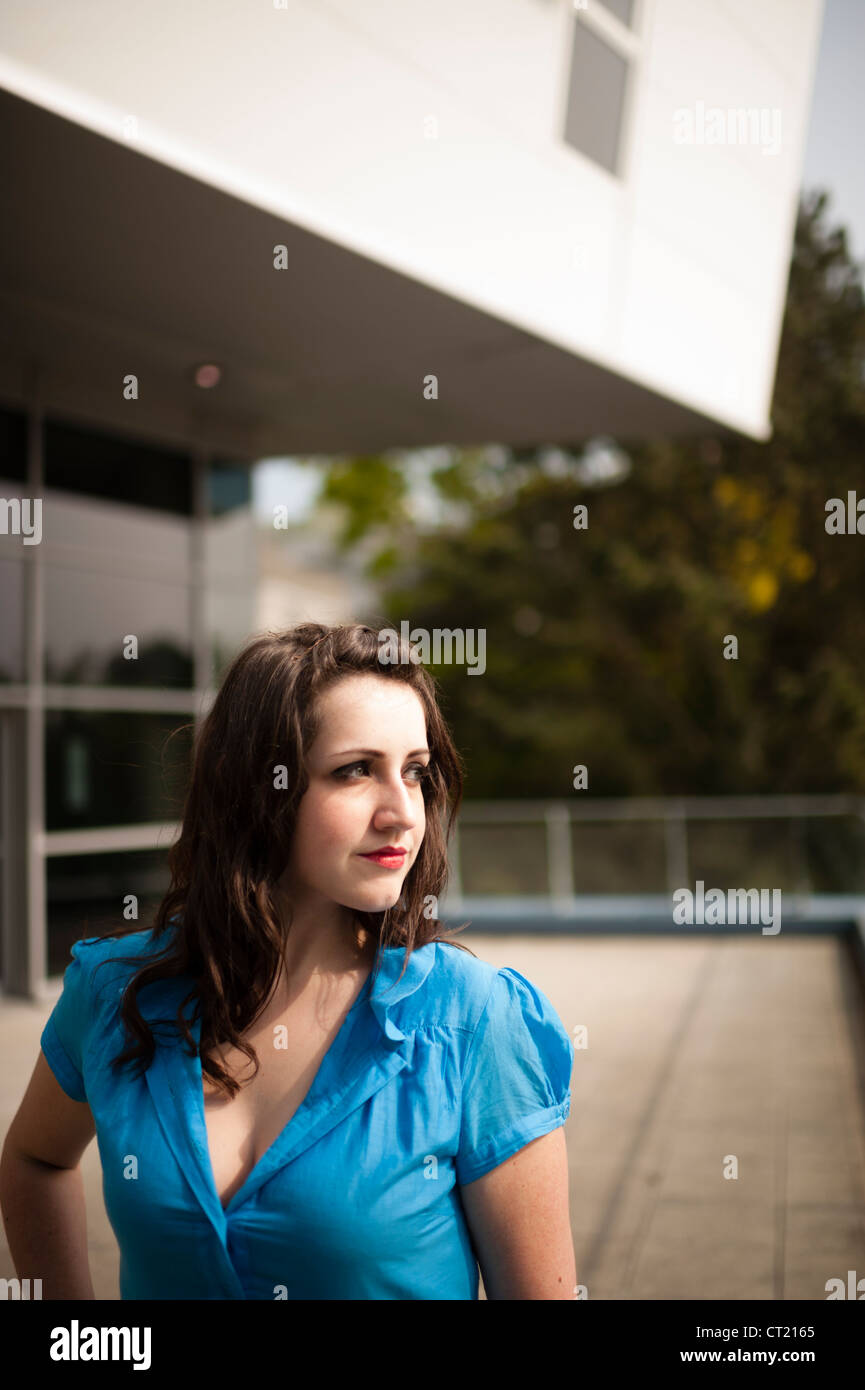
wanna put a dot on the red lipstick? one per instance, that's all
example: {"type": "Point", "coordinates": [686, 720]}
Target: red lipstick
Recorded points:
{"type": "Point", "coordinates": [388, 858]}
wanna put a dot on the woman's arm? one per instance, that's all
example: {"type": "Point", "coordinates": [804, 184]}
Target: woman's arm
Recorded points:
{"type": "Point", "coordinates": [41, 1188]}
{"type": "Point", "coordinates": [520, 1223]}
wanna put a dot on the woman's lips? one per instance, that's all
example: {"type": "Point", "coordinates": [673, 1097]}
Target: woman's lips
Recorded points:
{"type": "Point", "coordinates": [387, 860]}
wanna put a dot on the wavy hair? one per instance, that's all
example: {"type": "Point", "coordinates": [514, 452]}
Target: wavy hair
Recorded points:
{"type": "Point", "coordinates": [237, 831]}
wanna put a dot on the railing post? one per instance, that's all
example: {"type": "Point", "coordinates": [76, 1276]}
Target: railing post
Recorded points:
{"type": "Point", "coordinates": [454, 889]}
{"type": "Point", "coordinates": [676, 841]}
{"type": "Point", "coordinates": [560, 869]}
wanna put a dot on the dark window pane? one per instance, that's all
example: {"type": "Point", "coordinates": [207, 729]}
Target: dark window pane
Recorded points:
{"type": "Point", "coordinates": [622, 9]}
{"type": "Point", "coordinates": [11, 619]}
{"type": "Point", "coordinates": [18, 520]}
{"type": "Point", "coordinates": [86, 895]}
{"type": "Point", "coordinates": [229, 485]}
{"type": "Point", "coordinates": [5, 851]}
{"type": "Point", "coordinates": [88, 613]}
{"type": "Point", "coordinates": [596, 97]}
{"type": "Point", "coordinates": [230, 620]}
{"type": "Point", "coordinates": [13, 445]}
{"type": "Point", "coordinates": [114, 768]}
{"type": "Point", "coordinates": [112, 465]}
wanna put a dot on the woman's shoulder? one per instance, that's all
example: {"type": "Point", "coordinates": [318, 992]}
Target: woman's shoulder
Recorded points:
{"type": "Point", "coordinates": [466, 991]}
{"type": "Point", "coordinates": [459, 986]}
{"type": "Point", "coordinates": [105, 961]}
{"type": "Point", "coordinates": [86, 1017]}
{"type": "Point", "coordinates": [461, 967]}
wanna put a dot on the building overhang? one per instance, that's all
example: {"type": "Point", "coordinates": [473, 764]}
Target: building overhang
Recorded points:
{"type": "Point", "coordinates": [116, 265]}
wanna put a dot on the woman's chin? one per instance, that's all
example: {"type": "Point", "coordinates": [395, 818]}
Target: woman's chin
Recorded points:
{"type": "Point", "coordinates": [369, 901]}
{"type": "Point", "coordinates": [384, 899]}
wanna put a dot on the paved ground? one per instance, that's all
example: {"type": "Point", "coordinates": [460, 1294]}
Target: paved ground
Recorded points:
{"type": "Point", "coordinates": [697, 1049]}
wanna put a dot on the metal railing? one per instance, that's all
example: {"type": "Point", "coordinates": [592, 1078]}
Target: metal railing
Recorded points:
{"type": "Point", "coordinates": [614, 859]}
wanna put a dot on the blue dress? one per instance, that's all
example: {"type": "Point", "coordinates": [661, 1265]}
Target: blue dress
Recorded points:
{"type": "Point", "coordinates": [431, 1082]}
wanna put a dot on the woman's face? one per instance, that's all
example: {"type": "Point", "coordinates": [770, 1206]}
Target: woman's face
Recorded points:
{"type": "Point", "coordinates": [365, 794]}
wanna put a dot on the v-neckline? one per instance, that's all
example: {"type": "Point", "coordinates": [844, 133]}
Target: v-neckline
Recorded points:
{"type": "Point", "coordinates": [370, 1050]}
{"type": "Point", "coordinates": [200, 1119]}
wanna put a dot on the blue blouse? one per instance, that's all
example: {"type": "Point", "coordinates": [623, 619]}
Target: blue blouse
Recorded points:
{"type": "Point", "coordinates": [432, 1080]}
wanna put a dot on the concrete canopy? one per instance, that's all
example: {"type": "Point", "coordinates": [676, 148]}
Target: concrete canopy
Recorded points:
{"type": "Point", "coordinates": [114, 263]}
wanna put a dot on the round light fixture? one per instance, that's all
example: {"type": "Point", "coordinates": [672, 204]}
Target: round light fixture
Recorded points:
{"type": "Point", "coordinates": [208, 375]}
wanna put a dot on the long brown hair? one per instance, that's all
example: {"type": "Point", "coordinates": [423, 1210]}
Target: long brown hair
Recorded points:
{"type": "Point", "coordinates": [237, 831]}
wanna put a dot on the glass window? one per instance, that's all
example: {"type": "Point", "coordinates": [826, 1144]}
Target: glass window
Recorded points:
{"type": "Point", "coordinates": [231, 564]}
{"type": "Point", "coordinates": [114, 768]}
{"type": "Point", "coordinates": [622, 9]}
{"type": "Point", "coordinates": [230, 619]}
{"type": "Point", "coordinates": [13, 445]}
{"type": "Point", "coordinates": [11, 619]}
{"type": "Point", "coordinates": [86, 895]}
{"type": "Point", "coordinates": [596, 96]}
{"type": "Point", "coordinates": [115, 535]}
{"type": "Point", "coordinates": [13, 474]}
{"type": "Point", "coordinates": [229, 485]}
{"type": "Point", "coordinates": [114, 466]}
{"type": "Point", "coordinates": [6, 796]}
{"type": "Point", "coordinates": [89, 613]}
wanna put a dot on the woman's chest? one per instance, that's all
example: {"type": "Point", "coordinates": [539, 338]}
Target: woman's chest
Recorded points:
{"type": "Point", "coordinates": [373, 1151]}
{"type": "Point", "coordinates": [241, 1129]}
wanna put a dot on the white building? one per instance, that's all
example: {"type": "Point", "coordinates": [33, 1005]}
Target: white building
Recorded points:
{"type": "Point", "coordinates": [388, 224]}
{"type": "Point", "coordinates": [491, 191]}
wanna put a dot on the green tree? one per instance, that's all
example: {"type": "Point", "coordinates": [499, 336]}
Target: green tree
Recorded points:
{"type": "Point", "coordinates": [605, 645]}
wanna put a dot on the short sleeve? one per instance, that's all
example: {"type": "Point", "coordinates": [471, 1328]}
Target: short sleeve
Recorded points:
{"type": "Point", "coordinates": [516, 1082]}
{"type": "Point", "coordinates": [63, 1036]}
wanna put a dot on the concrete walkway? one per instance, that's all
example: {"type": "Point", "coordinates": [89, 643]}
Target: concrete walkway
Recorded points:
{"type": "Point", "coordinates": [697, 1050]}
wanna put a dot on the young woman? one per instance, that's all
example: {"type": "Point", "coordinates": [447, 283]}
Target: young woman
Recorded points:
{"type": "Point", "coordinates": [300, 1087]}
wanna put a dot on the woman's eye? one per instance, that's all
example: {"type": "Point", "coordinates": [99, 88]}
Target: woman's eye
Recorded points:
{"type": "Point", "coordinates": [345, 773]}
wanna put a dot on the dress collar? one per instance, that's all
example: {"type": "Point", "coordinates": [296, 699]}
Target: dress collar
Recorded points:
{"type": "Point", "coordinates": [387, 988]}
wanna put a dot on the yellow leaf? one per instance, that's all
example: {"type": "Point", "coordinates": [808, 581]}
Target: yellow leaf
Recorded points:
{"type": "Point", "coordinates": [725, 491]}
{"type": "Point", "coordinates": [800, 565]}
{"type": "Point", "coordinates": [762, 590]}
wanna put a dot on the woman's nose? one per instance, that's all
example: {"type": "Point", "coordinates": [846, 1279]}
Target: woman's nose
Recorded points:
{"type": "Point", "coordinates": [395, 799]}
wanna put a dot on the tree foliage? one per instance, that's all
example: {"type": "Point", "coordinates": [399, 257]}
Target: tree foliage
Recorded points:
{"type": "Point", "coordinates": [605, 645]}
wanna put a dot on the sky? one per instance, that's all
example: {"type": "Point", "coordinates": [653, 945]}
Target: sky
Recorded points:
{"type": "Point", "coordinates": [833, 160]}
{"type": "Point", "coordinates": [833, 152]}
